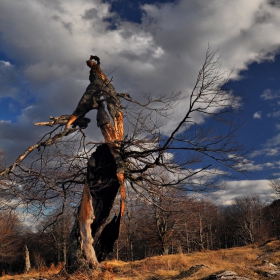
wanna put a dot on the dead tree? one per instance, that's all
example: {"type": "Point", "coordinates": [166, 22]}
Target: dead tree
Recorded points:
{"type": "Point", "coordinates": [193, 157]}
{"type": "Point", "coordinates": [27, 265]}
{"type": "Point", "coordinates": [275, 185]}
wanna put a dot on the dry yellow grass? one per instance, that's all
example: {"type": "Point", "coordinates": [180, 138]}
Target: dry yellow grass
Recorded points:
{"type": "Point", "coordinates": [44, 272]}
{"type": "Point", "coordinates": [240, 260]}
{"type": "Point", "coordinates": [171, 267]}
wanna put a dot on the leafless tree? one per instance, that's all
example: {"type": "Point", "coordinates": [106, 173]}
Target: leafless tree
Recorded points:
{"type": "Point", "coordinates": [11, 243]}
{"type": "Point", "coordinates": [244, 220]}
{"type": "Point", "coordinates": [57, 226]}
{"type": "Point", "coordinates": [193, 156]}
{"type": "Point", "coordinates": [271, 219]}
{"type": "Point", "coordinates": [275, 185]}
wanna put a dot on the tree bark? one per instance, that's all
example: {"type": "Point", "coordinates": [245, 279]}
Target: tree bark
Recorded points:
{"type": "Point", "coordinates": [91, 239]}
{"type": "Point", "coordinates": [27, 260]}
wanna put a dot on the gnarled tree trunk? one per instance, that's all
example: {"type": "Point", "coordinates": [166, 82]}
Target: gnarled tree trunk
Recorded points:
{"type": "Point", "coordinates": [91, 239]}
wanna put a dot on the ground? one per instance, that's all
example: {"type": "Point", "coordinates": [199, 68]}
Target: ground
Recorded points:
{"type": "Point", "coordinates": [246, 261]}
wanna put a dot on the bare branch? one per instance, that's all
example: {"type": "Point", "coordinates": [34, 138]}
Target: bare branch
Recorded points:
{"type": "Point", "coordinates": [48, 142]}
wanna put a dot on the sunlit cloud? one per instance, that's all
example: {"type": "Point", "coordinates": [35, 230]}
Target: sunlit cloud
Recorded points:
{"type": "Point", "coordinates": [266, 151]}
{"type": "Point", "coordinates": [235, 189]}
{"type": "Point", "coordinates": [251, 166]}
{"type": "Point", "coordinates": [257, 115]}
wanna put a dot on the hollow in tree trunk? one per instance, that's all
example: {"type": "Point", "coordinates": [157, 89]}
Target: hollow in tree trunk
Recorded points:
{"type": "Point", "coordinates": [91, 238]}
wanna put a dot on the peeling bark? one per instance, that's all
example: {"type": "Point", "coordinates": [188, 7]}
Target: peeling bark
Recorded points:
{"type": "Point", "coordinates": [122, 191]}
{"type": "Point", "coordinates": [27, 260]}
{"type": "Point", "coordinates": [82, 254]}
{"type": "Point", "coordinates": [99, 195]}
{"type": "Point", "coordinates": [118, 122]}
{"type": "Point", "coordinates": [85, 218]}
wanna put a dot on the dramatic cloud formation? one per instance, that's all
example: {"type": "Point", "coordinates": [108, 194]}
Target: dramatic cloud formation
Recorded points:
{"type": "Point", "coordinates": [44, 45]}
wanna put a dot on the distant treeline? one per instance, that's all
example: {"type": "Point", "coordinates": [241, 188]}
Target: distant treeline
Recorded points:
{"type": "Point", "coordinates": [148, 229]}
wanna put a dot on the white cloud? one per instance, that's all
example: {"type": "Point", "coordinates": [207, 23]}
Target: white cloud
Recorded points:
{"type": "Point", "coordinates": [235, 189]}
{"type": "Point", "coordinates": [5, 63]}
{"type": "Point", "coordinates": [51, 40]}
{"type": "Point", "coordinates": [257, 115]}
{"type": "Point", "coordinates": [251, 166]}
{"type": "Point", "coordinates": [273, 152]}
{"type": "Point", "coordinates": [269, 164]}
{"type": "Point", "coordinates": [270, 151]}
{"type": "Point", "coordinates": [268, 94]}
{"type": "Point", "coordinates": [274, 141]}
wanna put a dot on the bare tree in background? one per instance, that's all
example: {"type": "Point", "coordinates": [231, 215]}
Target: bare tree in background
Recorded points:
{"type": "Point", "coordinates": [193, 156]}
{"type": "Point", "coordinates": [244, 220]}
{"type": "Point", "coordinates": [275, 184]}
{"type": "Point", "coordinates": [11, 243]}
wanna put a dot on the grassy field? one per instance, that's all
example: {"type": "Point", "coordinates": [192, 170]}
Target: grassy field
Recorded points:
{"type": "Point", "coordinates": [246, 261]}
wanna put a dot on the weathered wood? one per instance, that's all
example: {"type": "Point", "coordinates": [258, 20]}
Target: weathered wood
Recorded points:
{"type": "Point", "coordinates": [103, 185]}
{"type": "Point", "coordinates": [54, 121]}
{"type": "Point", "coordinates": [62, 120]}
{"type": "Point", "coordinates": [86, 217]}
{"type": "Point", "coordinates": [50, 123]}
{"type": "Point", "coordinates": [27, 260]}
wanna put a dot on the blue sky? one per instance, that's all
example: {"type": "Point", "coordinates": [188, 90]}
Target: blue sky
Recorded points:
{"type": "Point", "coordinates": [148, 46]}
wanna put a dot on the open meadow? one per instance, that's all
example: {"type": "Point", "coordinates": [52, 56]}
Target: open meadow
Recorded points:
{"type": "Point", "coordinates": [252, 262]}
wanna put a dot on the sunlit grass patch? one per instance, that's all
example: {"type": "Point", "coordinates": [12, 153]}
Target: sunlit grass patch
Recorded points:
{"type": "Point", "coordinates": [246, 261]}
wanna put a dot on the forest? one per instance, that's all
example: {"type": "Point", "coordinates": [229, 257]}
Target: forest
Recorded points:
{"type": "Point", "coordinates": [146, 231]}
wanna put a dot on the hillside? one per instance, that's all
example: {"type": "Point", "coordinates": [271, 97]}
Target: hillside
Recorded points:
{"type": "Point", "coordinates": [252, 262]}
{"type": "Point", "coordinates": [246, 261]}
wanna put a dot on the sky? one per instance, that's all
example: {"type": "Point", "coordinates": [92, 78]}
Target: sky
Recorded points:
{"type": "Point", "coordinates": [146, 46]}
